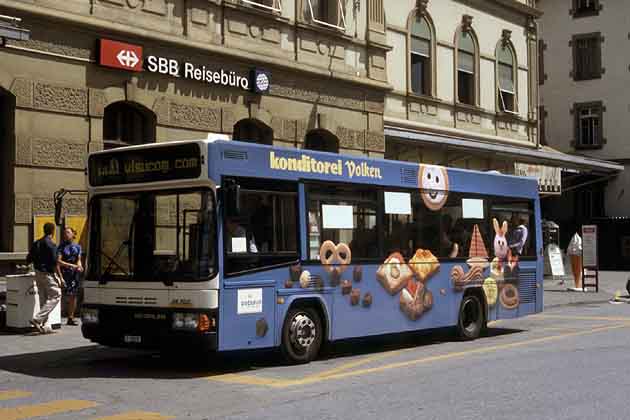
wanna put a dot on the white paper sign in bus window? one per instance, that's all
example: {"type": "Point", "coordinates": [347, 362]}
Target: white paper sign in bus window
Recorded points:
{"type": "Point", "coordinates": [397, 203]}
{"type": "Point", "coordinates": [337, 217]}
{"type": "Point", "coordinates": [472, 208]}
{"type": "Point", "coordinates": [249, 301]}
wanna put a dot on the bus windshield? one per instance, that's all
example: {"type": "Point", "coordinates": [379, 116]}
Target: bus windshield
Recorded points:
{"type": "Point", "coordinates": [153, 236]}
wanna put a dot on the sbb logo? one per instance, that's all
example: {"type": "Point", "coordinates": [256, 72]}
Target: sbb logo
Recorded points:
{"type": "Point", "coordinates": [163, 65]}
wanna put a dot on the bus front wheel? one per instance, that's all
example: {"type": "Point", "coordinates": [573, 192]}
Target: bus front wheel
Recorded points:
{"type": "Point", "coordinates": [302, 335]}
{"type": "Point", "coordinates": [471, 318]}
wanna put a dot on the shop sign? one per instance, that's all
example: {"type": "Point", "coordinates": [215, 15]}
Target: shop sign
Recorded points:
{"type": "Point", "coordinates": [549, 178]}
{"type": "Point", "coordinates": [257, 80]}
{"type": "Point", "coordinates": [120, 55]}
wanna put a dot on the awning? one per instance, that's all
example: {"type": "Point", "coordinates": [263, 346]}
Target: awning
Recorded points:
{"type": "Point", "coordinates": [542, 156]}
{"type": "Point", "coordinates": [10, 29]}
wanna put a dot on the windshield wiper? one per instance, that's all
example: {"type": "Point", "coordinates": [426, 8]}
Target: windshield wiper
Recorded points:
{"type": "Point", "coordinates": [113, 263]}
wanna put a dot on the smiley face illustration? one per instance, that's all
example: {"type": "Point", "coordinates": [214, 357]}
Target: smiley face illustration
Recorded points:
{"type": "Point", "coordinates": [433, 184]}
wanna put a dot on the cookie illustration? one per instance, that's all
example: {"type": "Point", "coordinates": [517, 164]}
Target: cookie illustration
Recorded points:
{"type": "Point", "coordinates": [367, 300]}
{"type": "Point", "coordinates": [346, 287]}
{"type": "Point", "coordinates": [355, 297]}
{"type": "Point", "coordinates": [433, 184]}
{"type": "Point", "coordinates": [509, 296]}
{"type": "Point", "coordinates": [394, 273]}
{"type": "Point", "coordinates": [424, 264]}
{"type": "Point", "coordinates": [305, 279]}
{"type": "Point", "coordinates": [491, 291]}
{"type": "Point", "coordinates": [357, 274]}
{"type": "Point", "coordinates": [478, 254]}
{"type": "Point", "coordinates": [335, 258]}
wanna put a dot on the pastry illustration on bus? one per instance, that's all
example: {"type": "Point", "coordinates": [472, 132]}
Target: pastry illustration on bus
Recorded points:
{"type": "Point", "coordinates": [335, 259]}
{"type": "Point", "coordinates": [394, 273]}
{"type": "Point", "coordinates": [409, 279]}
{"type": "Point", "coordinates": [433, 184]}
{"type": "Point", "coordinates": [477, 261]}
{"type": "Point", "coordinates": [415, 299]}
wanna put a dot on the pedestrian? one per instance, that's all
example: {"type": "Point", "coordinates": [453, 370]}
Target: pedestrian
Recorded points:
{"type": "Point", "coordinates": [70, 269]}
{"type": "Point", "coordinates": [575, 253]}
{"type": "Point", "coordinates": [43, 256]}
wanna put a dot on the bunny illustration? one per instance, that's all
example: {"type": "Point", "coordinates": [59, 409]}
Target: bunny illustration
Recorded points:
{"type": "Point", "coordinates": [500, 242]}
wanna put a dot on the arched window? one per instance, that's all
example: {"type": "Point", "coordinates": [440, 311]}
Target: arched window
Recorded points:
{"type": "Point", "coordinates": [7, 152]}
{"type": "Point", "coordinates": [253, 131]}
{"type": "Point", "coordinates": [506, 80]}
{"type": "Point", "coordinates": [321, 140]}
{"type": "Point", "coordinates": [420, 47]}
{"type": "Point", "coordinates": [466, 68]}
{"type": "Point", "coordinates": [128, 123]}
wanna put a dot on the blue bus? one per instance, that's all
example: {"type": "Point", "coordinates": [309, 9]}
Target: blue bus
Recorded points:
{"type": "Point", "coordinates": [227, 245]}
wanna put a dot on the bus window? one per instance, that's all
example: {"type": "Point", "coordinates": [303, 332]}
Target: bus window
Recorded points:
{"type": "Point", "coordinates": [459, 216]}
{"type": "Point", "coordinates": [266, 231]}
{"type": "Point", "coordinates": [405, 233]}
{"type": "Point", "coordinates": [359, 233]}
{"type": "Point", "coordinates": [519, 218]}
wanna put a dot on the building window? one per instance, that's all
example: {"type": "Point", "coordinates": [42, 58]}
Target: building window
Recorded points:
{"type": "Point", "coordinates": [506, 69]}
{"type": "Point", "coordinates": [321, 140]}
{"type": "Point", "coordinates": [588, 125]}
{"type": "Point", "coordinates": [466, 75]}
{"type": "Point", "coordinates": [542, 132]}
{"type": "Point", "coordinates": [420, 56]}
{"type": "Point", "coordinates": [328, 13]}
{"type": "Point", "coordinates": [253, 131]}
{"type": "Point", "coordinates": [587, 56]}
{"type": "Point", "coordinates": [270, 5]}
{"type": "Point", "coordinates": [127, 124]}
{"type": "Point", "coordinates": [541, 62]}
{"type": "Point", "coordinates": [583, 8]}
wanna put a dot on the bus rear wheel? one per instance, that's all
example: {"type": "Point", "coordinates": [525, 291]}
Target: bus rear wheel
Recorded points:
{"type": "Point", "coordinates": [471, 318]}
{"type": "Point", "coordinates": [302, 335]}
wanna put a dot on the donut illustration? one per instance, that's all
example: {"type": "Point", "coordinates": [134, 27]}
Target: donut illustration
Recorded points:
{"type": "Point", "coordinates": [433, 184]}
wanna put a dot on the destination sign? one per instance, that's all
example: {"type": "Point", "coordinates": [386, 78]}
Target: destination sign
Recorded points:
{"type": "Point", "coordinates": [182, 161]}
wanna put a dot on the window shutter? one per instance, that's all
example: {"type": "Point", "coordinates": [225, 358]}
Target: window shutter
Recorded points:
{"type": "Point", "coordinates": [420, 46]}
{"type": "Point", "coordinates": [506, 78]}
{"type": "Point", "coordinates": [466, 62]}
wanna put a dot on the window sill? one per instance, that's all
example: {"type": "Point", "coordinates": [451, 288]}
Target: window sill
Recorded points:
{"type": "Point", "coordinates": [588, 146]}
{"type": "Point", "coordinates": [323, 29]}
{"type": "Point", "coordinates": [583, 79]}
{"type": "Point", "coordinates": [468, 107]}
{"type": "Point", "coordinates": [425, 98]}
{"type": "Point", "coordinates": [578, 15]}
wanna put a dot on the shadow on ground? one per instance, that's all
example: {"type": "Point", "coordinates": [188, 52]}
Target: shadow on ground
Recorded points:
{"type": "Point", "coordinates": [95, 361]}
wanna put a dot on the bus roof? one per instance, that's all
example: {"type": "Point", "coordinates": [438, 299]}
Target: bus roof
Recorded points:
{"type": "Point", "coordinates": [235, 158]}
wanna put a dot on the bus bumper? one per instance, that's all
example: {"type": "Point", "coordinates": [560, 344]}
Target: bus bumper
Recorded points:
{"type": "Point", "coordinates": [123, 327]}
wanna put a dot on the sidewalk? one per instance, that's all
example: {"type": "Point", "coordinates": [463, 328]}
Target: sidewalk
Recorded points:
{"type": "Point", "coordinates": [556, 295]}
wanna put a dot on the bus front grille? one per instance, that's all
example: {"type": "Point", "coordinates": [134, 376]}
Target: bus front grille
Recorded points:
{"type": "Point", "coordinates": [527, 286]}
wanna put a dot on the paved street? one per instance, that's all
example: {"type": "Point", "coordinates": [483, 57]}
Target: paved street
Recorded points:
{"type": "Point", "coordinates": [567, 363]}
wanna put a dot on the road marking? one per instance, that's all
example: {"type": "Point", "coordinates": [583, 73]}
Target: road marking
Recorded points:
{"type": "Point", "coordinates": [359, 362]}
{"type": "Point", "coordinates": [279, 383]}
{"type": "Point", "coordinates": [137, 415]}
{"type": "Point", "coordinates": [581, 317]}
{"type": "Point", "coordinates": [44, 409]}
{"type": "Point", "coordinates": [13, 394]}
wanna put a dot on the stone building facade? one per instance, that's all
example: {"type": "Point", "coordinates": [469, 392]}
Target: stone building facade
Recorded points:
{"type": "Point", "coordinates": [464, 76]}
{"type": "Point", "coordinates": [324, 62]}
{"type": "Point", "coordinates": [585, 110]}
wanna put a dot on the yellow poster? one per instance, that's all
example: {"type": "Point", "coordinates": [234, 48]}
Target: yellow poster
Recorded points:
{"type": "Point", "coordinates": [38, 226]}
{"type": "Point", "coordinates": [78, 223]}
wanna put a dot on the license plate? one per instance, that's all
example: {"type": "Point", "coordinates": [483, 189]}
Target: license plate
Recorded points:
{"type": "Point", "coordinates": [136, 339]}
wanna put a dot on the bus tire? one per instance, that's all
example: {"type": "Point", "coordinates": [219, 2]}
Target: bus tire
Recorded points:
{"type": "Point", "coordinates": [470, 321]}
{"type": "Point", "coordinates": [302, 335]}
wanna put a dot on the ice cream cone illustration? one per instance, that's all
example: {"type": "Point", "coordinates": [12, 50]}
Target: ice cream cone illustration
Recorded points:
{"type": "Point", "coordinates": [478, 254]}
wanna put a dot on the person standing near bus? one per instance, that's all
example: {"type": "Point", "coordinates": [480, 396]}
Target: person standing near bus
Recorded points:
{"type": "Point", "coordinates": [43, 256]}
{"type": "Point", "coordinates": [70, 267]}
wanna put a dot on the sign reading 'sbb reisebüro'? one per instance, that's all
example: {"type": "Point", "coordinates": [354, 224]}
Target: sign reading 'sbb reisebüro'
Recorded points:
{"type": "Point", "coordinates": [126, 56]}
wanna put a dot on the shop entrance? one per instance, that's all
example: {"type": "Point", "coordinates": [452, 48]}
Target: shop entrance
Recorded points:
{"type": "Point", "coordinates": [7, 153]}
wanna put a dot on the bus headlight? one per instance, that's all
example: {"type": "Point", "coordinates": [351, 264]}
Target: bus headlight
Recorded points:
{"type": "Point", "coordinates": [89, 316]}
{"type": "Point", "coordinates": [185, 321]}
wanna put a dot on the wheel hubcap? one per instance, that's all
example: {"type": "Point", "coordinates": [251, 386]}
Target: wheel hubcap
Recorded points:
{"type": "Point", "coordinates": [303, 332]}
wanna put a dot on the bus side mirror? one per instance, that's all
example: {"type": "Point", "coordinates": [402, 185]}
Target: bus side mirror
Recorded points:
{"type": "Point", "coordinates": [232, 198]}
